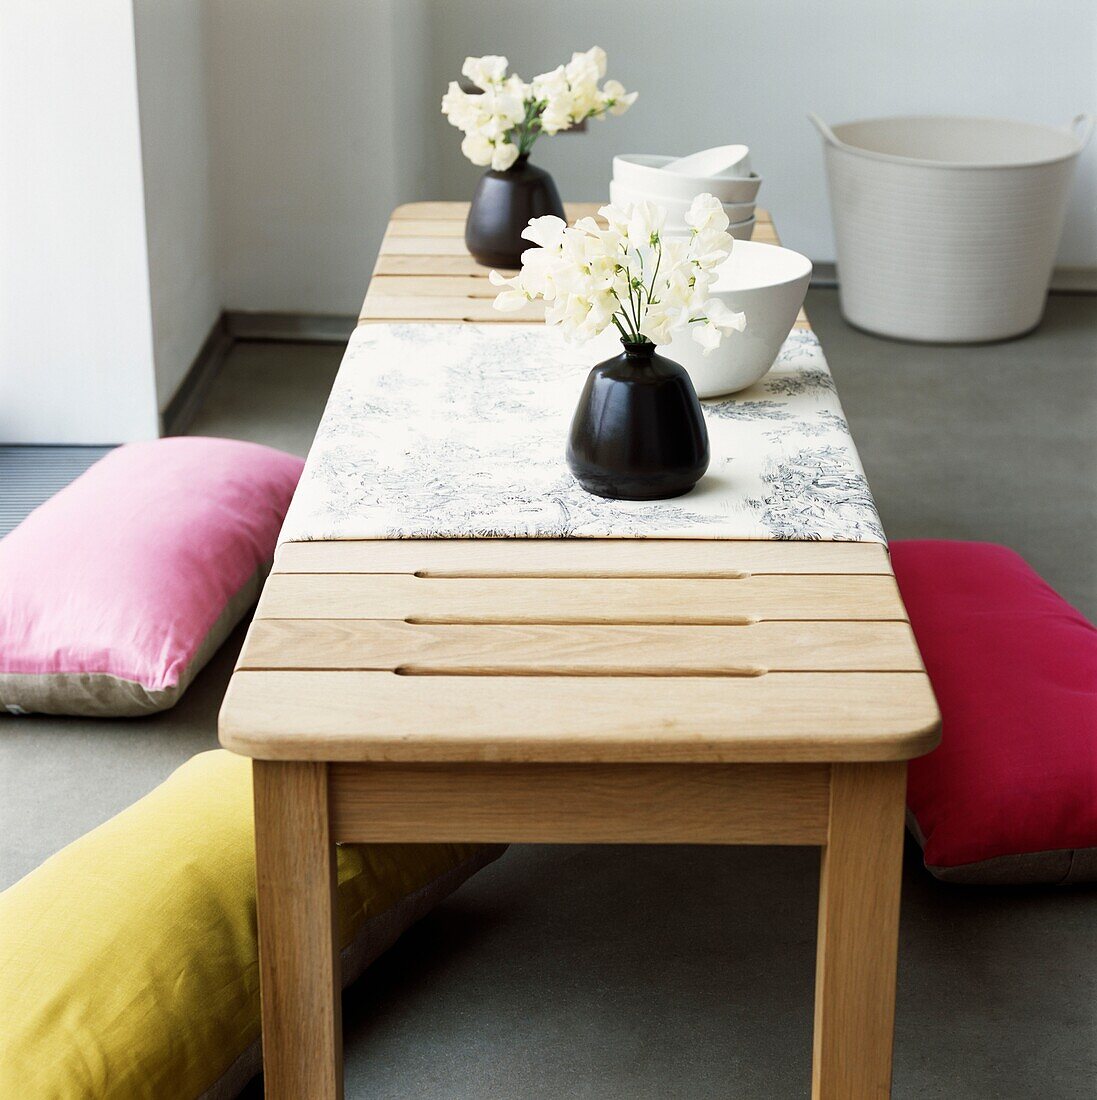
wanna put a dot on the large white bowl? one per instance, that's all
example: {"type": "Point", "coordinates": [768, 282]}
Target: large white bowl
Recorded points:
{"type": "Point", "coordinates": [768, 284]}
{"type": "Point", "coordinates": [676, 208]}
{"type": "Point", "coordinates": [644, 172]}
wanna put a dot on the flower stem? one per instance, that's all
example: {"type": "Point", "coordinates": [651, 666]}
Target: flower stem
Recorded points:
{"type": "Point", "coordinates": [622, 330]}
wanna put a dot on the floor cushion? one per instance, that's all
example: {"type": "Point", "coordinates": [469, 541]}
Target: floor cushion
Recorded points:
{"type": "Point", "coordinates": [1010, 795]}
{"type": "Point", "coordinates": [128, 961]}
{"type": "Point", "coordinates": [117, 590]}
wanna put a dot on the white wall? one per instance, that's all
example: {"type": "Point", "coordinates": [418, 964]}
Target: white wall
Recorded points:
{"type": "Point", "coordinates": [312, 152]}
{"type": "Point", "coordinates": [75, 334]}
{"type": "Point", "coordinates": [711, 72]}
{"type": "Point", "coordinates": [272, 138]}
{"type": "Point", "coordinates": [310, 98]}
{"type": "Point", "coordinates": [175, 144]}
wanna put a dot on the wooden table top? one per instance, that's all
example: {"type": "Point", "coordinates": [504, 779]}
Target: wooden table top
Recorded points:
{"type": "Point", "coordinates": [424, 273]}
{"type": "Point", "coordinates": [571, 650]}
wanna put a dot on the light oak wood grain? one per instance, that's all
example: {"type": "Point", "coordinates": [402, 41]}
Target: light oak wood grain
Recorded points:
{"type": "Point", "coordinates": [393, 245]}
{"type": "Point", "coordinates": [426, 227]}
{"type": "Point", "coordinates": [387, 306]}
{"type": "Point", "coordinates": [299, 979]}
{"type": "Point", "coordinates": [581, 557]}
{"type": "Point", "coordinates": [458, 211]}
{"type": "Point", "coordinates": [579, 599]}
{"type": "Point", "coordinates": [421, 265]}
{"type": "Point", "coordinates": [858, 932]}
{"type": "Point", "coordinates": [777, 718]}
{"type": "Point", "coordinates": [590, 804]}
{"type": "Point", "coordinates": [425, 241]}
{"type": "Point", "coordinates": [424, 649]}
{"type": "Point", "coordinates": [433, 286]}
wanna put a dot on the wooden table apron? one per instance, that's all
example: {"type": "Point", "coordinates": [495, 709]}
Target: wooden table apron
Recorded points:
{"type": "Point", "coordinates": [573, 691]}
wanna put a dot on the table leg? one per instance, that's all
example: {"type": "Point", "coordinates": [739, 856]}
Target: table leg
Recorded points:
{"type": "Point", "coordinates": [858, 933]}
{"type": "Point", "coordinates": [298, 947]}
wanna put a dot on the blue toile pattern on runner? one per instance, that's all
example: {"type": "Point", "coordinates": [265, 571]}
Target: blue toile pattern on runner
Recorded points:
{"type": "Point", "coordinates": [458, 431]}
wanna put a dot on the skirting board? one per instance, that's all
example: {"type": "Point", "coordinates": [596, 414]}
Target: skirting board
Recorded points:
{"type": "Point", "coordinates": [187, 399]}
{"type": "Point", "coordinates": [311, 328]}
{"type": "Point", "coordinates": [1064, 280]}
{"type": "Point", "coordinates": [305, 328]}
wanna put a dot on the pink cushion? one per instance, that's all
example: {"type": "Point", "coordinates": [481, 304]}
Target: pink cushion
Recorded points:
{"type": "Point", "coordinates": [117, 590]}
{"type": "Point", "coordinates": [1010, 795]}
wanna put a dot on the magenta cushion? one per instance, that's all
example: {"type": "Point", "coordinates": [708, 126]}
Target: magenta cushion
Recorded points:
{"type": "Point", "coordinates": [117, 590]}
{"type": "Point", "coordinates": [1010, 795]}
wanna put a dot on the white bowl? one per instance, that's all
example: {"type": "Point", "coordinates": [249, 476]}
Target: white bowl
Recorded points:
{"type": "Point", "coordinates": [644, 172]}
{"type": "Point", "coordinates": [676, 208]}
{"type": "Point", "coordinates": [721, 161]}
{"type": "Point", "coordinates": [768, 284]}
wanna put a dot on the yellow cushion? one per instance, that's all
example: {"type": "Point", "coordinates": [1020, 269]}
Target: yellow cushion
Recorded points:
{"type": "Point", "coordinates": [128, 961]}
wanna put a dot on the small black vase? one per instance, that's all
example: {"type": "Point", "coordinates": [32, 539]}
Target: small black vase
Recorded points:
{"type": "Point", "coordinates": [502, 206]}
{"type": "Point", "coordinates": [638, 432]}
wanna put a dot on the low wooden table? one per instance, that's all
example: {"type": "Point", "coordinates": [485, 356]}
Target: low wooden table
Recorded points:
{"type": "Point", "coordinates": [573, 691]}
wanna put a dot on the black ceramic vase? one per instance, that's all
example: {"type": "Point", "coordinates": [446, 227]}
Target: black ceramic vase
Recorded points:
{"type": "Point", "coordinates": [502, 206]}
{"type": "Point", "coordinates": [638, 432]}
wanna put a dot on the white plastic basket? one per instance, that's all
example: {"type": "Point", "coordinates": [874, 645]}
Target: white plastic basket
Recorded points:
{"type": "Point", "coordinates": [947, 228]}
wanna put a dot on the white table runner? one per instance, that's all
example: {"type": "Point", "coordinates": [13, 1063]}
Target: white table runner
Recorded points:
{"type": "Point", "coordinates": [458, 431]}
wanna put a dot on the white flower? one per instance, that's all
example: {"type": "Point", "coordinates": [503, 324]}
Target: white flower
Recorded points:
{"type": "Point", "coordinates": [645, 221]}
{"type": "Point", "coordinates": [623, 273]}
{"type": "Point", "coordinates": [508, 112]}
{"type": "Point", "coordinates": [503, 155]}
{"type": "Point", "coordinates": [718, 322]}
{"type": "Point", "coordinates": [658, 323]}
{"type": "Point", "coordinates": [460, 107]}
{"type": "Point", "coordinates": [485, 71]}
{"type": "Point", "coordinates": [617, 216]}
{"type": "Point", "coordinates": [506, 301]}
{"type": "Point", "coordinates": [547, 231]}
{"type": "Point", "coordinates": [706, 212]}
{"type": "Point", "coordinates": [557, 114]}
{"type": "Point", "coordinates": [586, 68]}
{"type": "Point", "coordinates": [477, 148]}
{"type": "Point", "coordinates": [724, 319]}
{"type": "Point", "coordinates": [615, 99]}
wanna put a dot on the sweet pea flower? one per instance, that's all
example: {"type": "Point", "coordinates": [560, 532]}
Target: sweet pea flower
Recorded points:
{"type": "Point", "coordinates": [706, 212]}
{"type": "Point", "coordinates": [477, 148]}
{"type": "Point", "coordinates": [546, 231]}
{"type": "Point", "coordinates": [485, 71]}
{"type": "Point", "coordinates": [615, 99]}
{"type": "Point", "coordinates": [645, 220]}
{"type": "Point", "coordinates": [511, 114]}
{"type": "Point", "coordinates": [503, 155]}
{"type": "Point", "coordinates": [624, 273]}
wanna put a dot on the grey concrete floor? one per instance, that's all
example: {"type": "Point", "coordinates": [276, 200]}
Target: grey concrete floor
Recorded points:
{"type": "Point", "coordinates": [687, 972]}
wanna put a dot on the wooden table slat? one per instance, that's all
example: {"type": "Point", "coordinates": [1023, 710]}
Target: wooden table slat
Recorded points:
{"type": "Point", "coordinates": [781, 717]}
{"type": "Point", "coordinates": [388, 306]}
{"type": "Point", "coordinates": [581, 557]}
{"type": "Point", "coordinates": [579, 599]}
{"type": "Point", "coordinates": [392, 644]}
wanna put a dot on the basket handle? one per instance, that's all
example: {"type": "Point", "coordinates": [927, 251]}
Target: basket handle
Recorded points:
{"type": "Point", "coordinates": [828, 134]}
{"type": "Point", "coordinates": [1082, 128]}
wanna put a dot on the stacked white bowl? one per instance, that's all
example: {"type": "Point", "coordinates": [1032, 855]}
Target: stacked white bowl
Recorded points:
{"type": "Point", "coordinates": [674, 182]}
